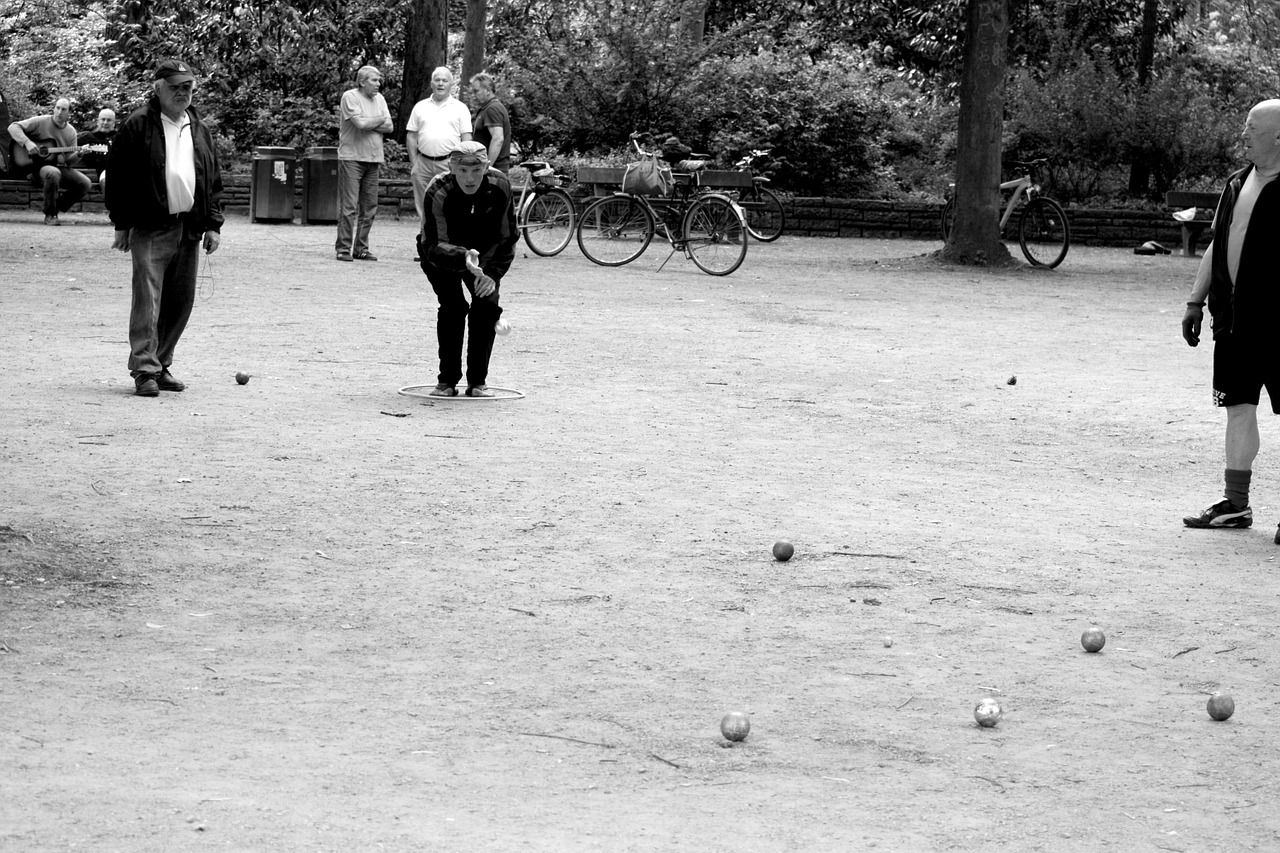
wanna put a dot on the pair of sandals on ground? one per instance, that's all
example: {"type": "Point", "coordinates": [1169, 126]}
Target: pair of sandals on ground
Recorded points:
{"type": "Point", "coordinates": [443, 390]}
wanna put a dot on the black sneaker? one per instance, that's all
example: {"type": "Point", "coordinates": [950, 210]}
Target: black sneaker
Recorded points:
{"type": "Point", "coordinates": [1222, 514]}
{"type": "Point", "coordinates": [1278, 535]}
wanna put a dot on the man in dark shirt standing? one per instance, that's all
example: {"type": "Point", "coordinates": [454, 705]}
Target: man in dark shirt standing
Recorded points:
{"type": "Point", "coordinates": [165, 201]}
{"type": "Point", "coordinates": [492, 125]}
{"type": "Point", "coordinates": [468, 240]}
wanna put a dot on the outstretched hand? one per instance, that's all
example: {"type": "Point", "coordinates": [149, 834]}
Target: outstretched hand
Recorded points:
{"type": "Point", "coordinates": [1191, 323]}
{"type": "Point", "coordinates": [484, 285]}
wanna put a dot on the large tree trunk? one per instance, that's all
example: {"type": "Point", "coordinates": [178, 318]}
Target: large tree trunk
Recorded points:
{"type": "Point", "coordinates": [473, 47]}
{"type": "Point", "coordinates": [426, 47]}
{"type": "Point", "coordinates": [975, 238]}
{"type": "Point", "coordinates": [693, 19]}
{"type": "Point", "coordinates": [1140, 169]}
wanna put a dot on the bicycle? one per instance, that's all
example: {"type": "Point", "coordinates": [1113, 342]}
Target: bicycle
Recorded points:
{"type": "Point", "coordinates": [760, 205]}
{"type": "Point", "coordinates": [1043, 230]}
{"type": "Point", "coordinates": [546, 214]}
{"type": "Point", "coordinates": [707, 226]}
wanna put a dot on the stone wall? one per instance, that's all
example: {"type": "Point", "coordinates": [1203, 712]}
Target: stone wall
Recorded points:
{"type": "Point", "coordinates": [813, 217]}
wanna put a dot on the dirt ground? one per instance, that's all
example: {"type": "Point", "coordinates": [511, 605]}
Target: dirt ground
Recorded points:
{"type": "Point", "coordinates": [308, 613]}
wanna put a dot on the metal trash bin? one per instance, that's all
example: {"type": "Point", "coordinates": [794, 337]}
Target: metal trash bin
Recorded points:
{"type": "Point", "coordinates": [271, 191]}
{"type": "Point", "coordinates": [320, 185]}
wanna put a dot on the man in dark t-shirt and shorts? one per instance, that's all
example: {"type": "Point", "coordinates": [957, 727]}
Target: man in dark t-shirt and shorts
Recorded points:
{"type": "Point", "coordinates": [1238, 280]}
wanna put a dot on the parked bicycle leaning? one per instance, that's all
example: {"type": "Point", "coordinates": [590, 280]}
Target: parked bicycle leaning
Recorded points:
{"type": "Point", "coordinates": [1044, 233]}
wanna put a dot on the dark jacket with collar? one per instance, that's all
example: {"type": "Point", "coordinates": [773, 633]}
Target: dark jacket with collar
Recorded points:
{"type": "Point", "coordinates": [454, 222]}
{"type": "Point", "coordinates": [1249, 305]}
{"type": "Point", "coordinates": [137, 195]}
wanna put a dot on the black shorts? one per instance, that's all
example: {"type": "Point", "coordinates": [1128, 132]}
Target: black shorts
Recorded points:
{"type": "Point", "coordinates": [1241, 371]}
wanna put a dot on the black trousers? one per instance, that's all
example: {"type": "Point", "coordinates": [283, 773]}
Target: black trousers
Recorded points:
{"type": "Point", "coordinates": [451, 323]}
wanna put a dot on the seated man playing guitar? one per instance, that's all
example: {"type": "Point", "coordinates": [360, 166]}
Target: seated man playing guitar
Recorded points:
{"type": "Point", "coordinates": [49, 142]}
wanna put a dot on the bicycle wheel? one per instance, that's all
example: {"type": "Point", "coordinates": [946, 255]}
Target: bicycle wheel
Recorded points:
{"type": "Point", "coordinates": [547, 222]}
{"type": "Point", "coordinates": [1044, 233]}
{"type": "Point", "coordinates": [948, 218]}
{"type": "Point", "coordinates": [764, 214]}
{"type": "Point", "coordinates": [715, 236]}
{"type": "Point", "coordinates": [615, 230]}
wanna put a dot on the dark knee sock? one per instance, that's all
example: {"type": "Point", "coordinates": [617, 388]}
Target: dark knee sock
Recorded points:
{"type": "Point", "coordinates": [1238, 487]}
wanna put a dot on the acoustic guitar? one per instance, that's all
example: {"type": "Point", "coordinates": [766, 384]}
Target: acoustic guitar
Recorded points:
{"type": "Point", "coordinates": [24, 161]}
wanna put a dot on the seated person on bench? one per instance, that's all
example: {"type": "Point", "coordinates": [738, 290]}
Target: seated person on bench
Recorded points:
{"type": "Point", "coordinates": [100, 137]}
{"type": "Point", "coordinates": [53, 132]}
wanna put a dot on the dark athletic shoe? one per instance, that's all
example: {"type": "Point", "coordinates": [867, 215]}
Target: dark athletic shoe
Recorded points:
{"type": "Point", "coordinates": [1223, 514]}
{"type": "Point", "coordinates": [1278, 535]}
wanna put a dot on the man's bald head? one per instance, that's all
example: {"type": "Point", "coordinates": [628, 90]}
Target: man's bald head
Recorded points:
{"type": "Point", "coordinates": [1261, 136]}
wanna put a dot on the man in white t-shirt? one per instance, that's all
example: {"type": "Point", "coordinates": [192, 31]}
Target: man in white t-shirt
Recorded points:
{"type": "Point", "coordinates": [436, 127]}
{"type": "Point", "coordinates": [363, 118]}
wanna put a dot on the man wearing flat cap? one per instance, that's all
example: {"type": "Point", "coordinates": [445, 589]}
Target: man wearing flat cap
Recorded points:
{"type": "Point", "coordinates": [468, 240]}
{"type": "Point", "coordinates": [165, 200]}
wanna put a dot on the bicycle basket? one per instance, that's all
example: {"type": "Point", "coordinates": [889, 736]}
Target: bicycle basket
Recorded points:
{"type": "Point", "coordinates": [547, 177]}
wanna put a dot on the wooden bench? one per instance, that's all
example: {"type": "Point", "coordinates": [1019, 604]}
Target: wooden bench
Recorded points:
{"type": "Point", "coordinates": [21, 194]}
{"type": "Point", "coordinates": [1191, 230]}
{"type": "Point", "coordinates": [606, 179]}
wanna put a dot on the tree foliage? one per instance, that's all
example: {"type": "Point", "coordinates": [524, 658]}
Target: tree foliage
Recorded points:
{"type": "Point", "coordinates": [849, 95]}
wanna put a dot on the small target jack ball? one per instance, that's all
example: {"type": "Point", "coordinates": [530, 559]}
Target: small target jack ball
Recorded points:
{"type": "Point", "coordinates": [1221, 706]}
{"type": "Point", "coordinates": [783, 551]}
{"type": "Point", "coordinates": [1093, 639]}
{"type": "Point", "coordinates": [987, 712]}
{"type": "Point", "coordinates": [735, 726]}
{"type": "Point", "coordinates": [242, 378]}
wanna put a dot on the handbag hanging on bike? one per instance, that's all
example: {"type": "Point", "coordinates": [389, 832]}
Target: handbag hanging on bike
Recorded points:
{"type": "Point", "coordinates": [647, 177]}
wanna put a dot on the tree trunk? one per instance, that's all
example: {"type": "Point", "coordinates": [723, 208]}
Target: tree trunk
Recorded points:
{"type": "Point", "coordinates": [694, 21]}
{"type": "Point", "coordinates": [473, 47]}
{"type": "Point", "coordinates": [1140, 168]}
{"type": "Point", "coordinates": [426, 47]}
{"type": "Point", "coordinates": [975, 237]}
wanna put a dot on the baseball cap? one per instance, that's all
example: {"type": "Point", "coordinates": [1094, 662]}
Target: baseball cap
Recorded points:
{"type": "Point", "coordinates": [469, 154]}
{"type": "Point", "coordinates": [174, 71]}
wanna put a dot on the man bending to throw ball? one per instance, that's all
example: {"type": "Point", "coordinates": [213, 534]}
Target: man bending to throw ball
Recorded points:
{"type": "Point", "coordinates": [1238, 278]}
{"type": "Point", "coordinates": [468, 240]}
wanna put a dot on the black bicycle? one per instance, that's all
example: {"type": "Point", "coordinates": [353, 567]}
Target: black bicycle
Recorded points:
{"type": "Point", "coordinates": [708, 227]}
{"type": "Point", "coordinates": [760, 205]}
{"type": "Point", "coordinates": [545, 213]}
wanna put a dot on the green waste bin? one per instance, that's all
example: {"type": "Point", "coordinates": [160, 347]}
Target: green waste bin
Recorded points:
{"type": "Point", "coordinates": [320, 185]}
{"type": "Point", "coordinates": [271, 192]}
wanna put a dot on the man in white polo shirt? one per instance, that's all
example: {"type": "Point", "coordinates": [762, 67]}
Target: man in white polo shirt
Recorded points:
{"type": "Point", "coordinates": [436, 127]}
{"type": "Point", "coordinates": [165, 200]}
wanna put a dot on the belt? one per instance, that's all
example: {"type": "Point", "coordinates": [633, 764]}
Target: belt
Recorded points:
{"type": "Point", "coordinates": [429, 157]}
